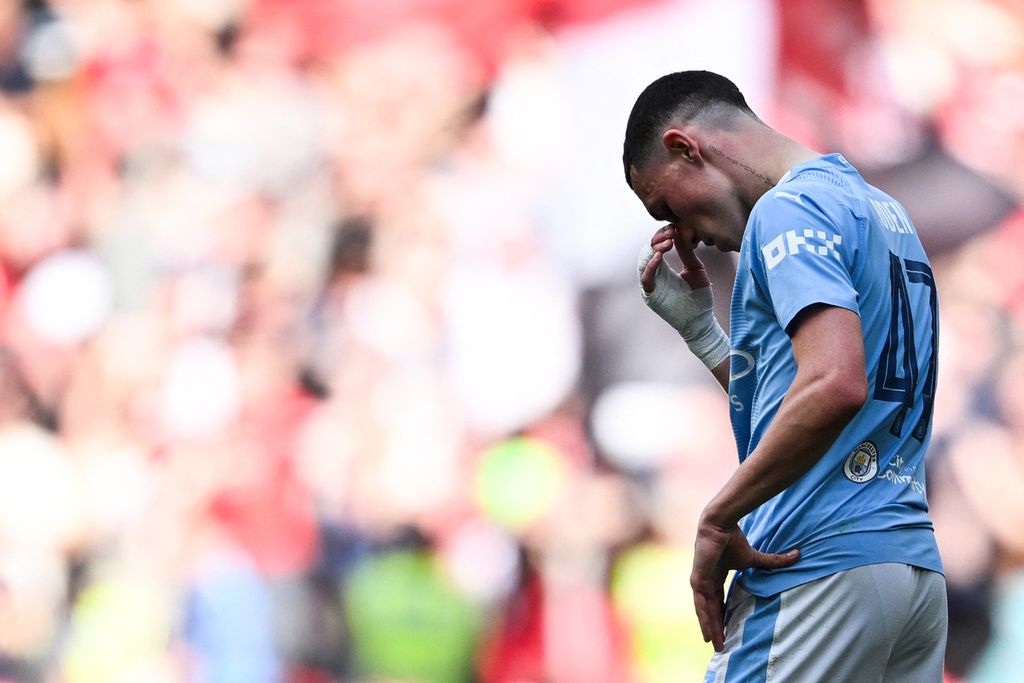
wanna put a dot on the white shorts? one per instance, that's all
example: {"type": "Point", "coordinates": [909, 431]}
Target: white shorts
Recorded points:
{"type": "Point", "coordinates": [879, 622]}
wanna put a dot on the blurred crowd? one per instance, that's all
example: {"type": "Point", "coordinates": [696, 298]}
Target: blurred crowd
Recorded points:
{"type": "Point", "coordinates": [321, 353]}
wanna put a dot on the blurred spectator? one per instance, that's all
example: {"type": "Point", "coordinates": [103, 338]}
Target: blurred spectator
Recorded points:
{"type": "Point", "coordinates": [228, 623]}
{"type": "Point", "coordinates": [406, 621]}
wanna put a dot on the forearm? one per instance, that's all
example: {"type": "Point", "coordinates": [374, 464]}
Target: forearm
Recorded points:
{"type": "Point", "coordinates": [809, 420]}
{"type": "Point", "coordinates": [721, 373]}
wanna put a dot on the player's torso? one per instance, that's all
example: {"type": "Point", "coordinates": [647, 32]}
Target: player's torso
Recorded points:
{"type": "Point", "coordinates": [873, 476]}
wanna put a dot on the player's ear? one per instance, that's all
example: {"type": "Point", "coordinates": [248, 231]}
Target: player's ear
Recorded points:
{"type": "Point", "coordinates": [679, 142]}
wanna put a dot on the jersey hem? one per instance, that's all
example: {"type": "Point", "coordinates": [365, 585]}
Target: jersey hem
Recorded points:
{"type": "Point", "coordinates": [914, 546]}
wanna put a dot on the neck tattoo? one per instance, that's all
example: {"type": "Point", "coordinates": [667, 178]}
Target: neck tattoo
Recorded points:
{"type": "Point", "coordinates": [765, 179]}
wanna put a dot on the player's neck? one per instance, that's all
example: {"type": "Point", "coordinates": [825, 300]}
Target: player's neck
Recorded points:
{"type": "Point", "coordinates": [757, 157]}
{"type": "Point", "coordinates": [789, 153]}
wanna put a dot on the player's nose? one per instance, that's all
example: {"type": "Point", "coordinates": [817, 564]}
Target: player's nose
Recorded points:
{"type": "Point", "coordinates": [686, 234]}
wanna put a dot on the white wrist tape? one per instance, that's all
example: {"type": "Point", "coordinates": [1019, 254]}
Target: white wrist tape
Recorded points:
{"type": "Point", "coordinates": [690, 311]}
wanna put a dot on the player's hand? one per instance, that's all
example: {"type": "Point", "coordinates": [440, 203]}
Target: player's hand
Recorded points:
{"type": "Point", "coordinates": [683, 300]}
{"type": "Point", "coordinates": [716, 551]}
{"type": "Point", "coordinates": [651, 258]}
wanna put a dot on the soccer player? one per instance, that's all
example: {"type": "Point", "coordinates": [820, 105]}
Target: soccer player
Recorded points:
{"type": "Point", "coordinates": [830, 372]}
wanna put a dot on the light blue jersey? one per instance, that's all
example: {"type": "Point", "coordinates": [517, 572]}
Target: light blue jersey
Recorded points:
{"type": "Point", "coordinates": [823, 235]}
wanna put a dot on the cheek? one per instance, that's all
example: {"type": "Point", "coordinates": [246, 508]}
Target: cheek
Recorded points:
{"type": "Point", "coordinates": [729, 211]}
{"type": "Point", "coordinates": [733, 212]}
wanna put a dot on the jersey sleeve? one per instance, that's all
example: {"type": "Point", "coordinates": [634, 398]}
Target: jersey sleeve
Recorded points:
{"type": "Point", "coordinates": [801, 255]}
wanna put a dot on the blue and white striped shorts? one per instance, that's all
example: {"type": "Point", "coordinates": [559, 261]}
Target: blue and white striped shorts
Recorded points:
{"type": "Point", "coordinates": [871, 624]}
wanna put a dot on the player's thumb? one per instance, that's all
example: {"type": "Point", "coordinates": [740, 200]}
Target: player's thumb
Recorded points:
{"type": "Point", "coordinates": [775, 560]}
{"type": "Point", "coordinates": [647, 266]}
{"type": "Point", "coordinates": [646, 254]}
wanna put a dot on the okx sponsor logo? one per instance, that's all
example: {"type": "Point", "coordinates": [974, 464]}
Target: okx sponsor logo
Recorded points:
{"type": "Point", "coordinates": [808, 241]}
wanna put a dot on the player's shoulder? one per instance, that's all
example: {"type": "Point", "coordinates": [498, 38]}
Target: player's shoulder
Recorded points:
{"type": "Point", "coordinates": [824, 192]}
{"type": "Point", "coordinates": [811, 187]}
{"type": "Point", "coordinates": [814, 209]}
{"type": "Point", "coordinates": [797, 203]}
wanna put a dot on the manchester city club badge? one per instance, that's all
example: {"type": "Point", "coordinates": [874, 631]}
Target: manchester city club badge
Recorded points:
{"type": "Point", "coordinates": [862, 464]}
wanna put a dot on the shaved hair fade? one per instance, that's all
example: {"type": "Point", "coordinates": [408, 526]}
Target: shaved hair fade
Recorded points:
{"type": "Point", "coordinates": [685, 95]}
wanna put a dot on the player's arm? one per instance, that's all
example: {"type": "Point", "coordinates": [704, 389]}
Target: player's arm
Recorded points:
{"type": "Point", "coordinates": [684, 300]}
{"type": "Point", "coordinates": [721, 373]}
{"type": "Point", "coordinates": [829, 388]}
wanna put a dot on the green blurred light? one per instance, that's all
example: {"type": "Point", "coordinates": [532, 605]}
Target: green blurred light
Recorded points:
{"type": "Point", "coordinates": [518, 481]}
{"type": "Point", "coordinates": [651, 591]}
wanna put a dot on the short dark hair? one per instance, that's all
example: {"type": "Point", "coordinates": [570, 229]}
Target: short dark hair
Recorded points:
{"type": "Point", "coordinates": [684, 94]}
